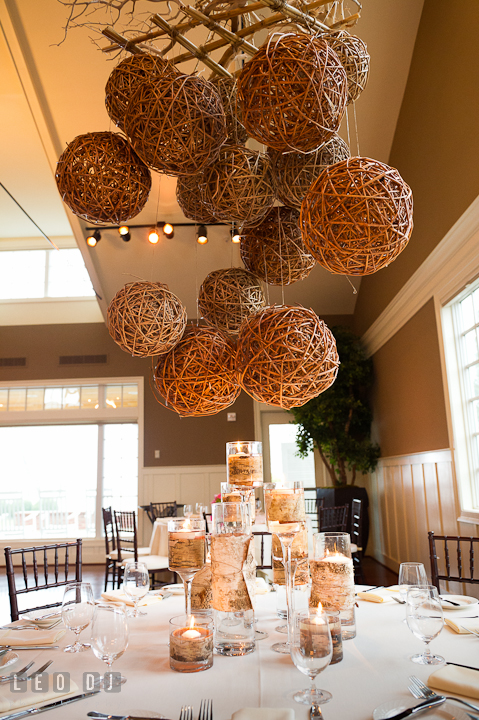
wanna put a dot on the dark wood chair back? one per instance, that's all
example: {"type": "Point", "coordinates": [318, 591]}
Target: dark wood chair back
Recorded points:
{"type": "Point", "coordinates": [264, 563]}
{"type": "Point", "coordinates": [51, 566]}
{"type": "Point", "coordinates": [452, 559]}
{"type": "Point", "coordinates": [357, 539]}
{"type": "Point", "coordinates": [109, 530]}
{"type": "Point", "coordinates": [333, 519]}
{"type": "Point", "coordinates": [208, 518]}
{"type": "Point", "coordinates": [312, 506]}
{"type": "Point", "coordinates": [163, 509]}
{"type": "Point", "coordinates": [126, 535]}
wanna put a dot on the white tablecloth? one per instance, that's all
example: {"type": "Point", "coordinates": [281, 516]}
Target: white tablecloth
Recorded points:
{"type": "Point", "coordinates": [375, 668]}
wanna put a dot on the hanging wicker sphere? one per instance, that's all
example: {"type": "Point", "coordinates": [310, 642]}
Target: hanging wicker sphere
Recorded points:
{"type": "Point", "coordinates": [198, 376]}
{"type": "Point", "coordinates": [127, 76]}
{"type": "Point", "coordinates": [238, 185]}
{"type": "Point", "coordinates": [357, 217]}
{"type": "Point", "coordinates": [354, 57]}
{"type": "Point", "coordinates": [228, 296]}
{"type": "Point", "coordinates": [292, 93]}
{"type": "Point", "coordinates": [286, 356]}
{"type": "Point", "coordinates": [145, 318]}
{"type": "Point", "coordinates": [274, 250]}
{"type": "Point", "coordinates": [294, 173]}
{"type": "Point", "coordinates": [190, 199]}
{"type": "Point", "coordinates": [102, 179]}
{"type": "Point", "coordinates": [176, 124]}
{"type": "Point", "coordinates": [227, 90]}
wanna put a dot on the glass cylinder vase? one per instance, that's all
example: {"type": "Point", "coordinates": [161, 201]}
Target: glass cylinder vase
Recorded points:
{"type": "Point", "coordinates": [244, 463]}
{"type": "Point", "coordinates": [186, 551]}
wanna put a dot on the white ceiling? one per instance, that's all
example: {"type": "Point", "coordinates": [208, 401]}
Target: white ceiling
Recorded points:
{"type": "Point", "coordinates": [51, 92]}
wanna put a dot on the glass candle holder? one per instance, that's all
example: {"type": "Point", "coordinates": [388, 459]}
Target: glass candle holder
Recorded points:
{"type": "Point", "coordinates": [334, 620]}
{"type": "Point", "coordinates": [332, 575]}
{"type": "Point", "coordinates": [244, 463]}
{"type": "Point", "coordinates": [186, 551]}
{"type": "Point", "coordinates": [311, 652]}
{"type": "Point", "coordinates": [235, 493]}
{"type": "Point", "coordinates": [191, 643]}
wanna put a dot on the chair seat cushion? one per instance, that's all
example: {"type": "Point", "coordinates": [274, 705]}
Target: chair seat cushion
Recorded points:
{"type": "Point", "coordinates": [153, 562]}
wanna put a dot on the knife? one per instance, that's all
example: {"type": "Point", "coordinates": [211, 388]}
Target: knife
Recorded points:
{"type": "Point", "coordinates": [449, 601]}
{"type": "Point", "coordinates": [31, 647]}
{"type": "Point", "coordinates": [49, 706]}
{"type": "Point", "coordinates": [425, 705]}
{"type": "Point", "coordinates": [104, 716]}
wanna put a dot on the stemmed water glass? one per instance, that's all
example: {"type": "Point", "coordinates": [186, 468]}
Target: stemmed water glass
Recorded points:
{"type": "Point", "coordinates": [136, 584]}
{"type": "Point", "coordinates": [77, 611]}
{"type": "Point", "coordinates": [425, 619]}
{"type": "Point", "coordinates": [311, 652]}
{"type": "Point", "coordinates": [187, 510]}
{"type": "Point", "coordinates": [410, 574]}
{"type": "Point", "coordinates": [109, 638]}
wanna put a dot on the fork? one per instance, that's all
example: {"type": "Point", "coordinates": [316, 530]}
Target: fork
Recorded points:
{"type": "Point", "coordinates": [20, 672]}
{"type": "Point", "coordinates": [186, 712]}
{"type": "Point", "coordinates": [420, 690]}
{"type": "Point", "coordinates": [206, 710]}
{"type": "Point", "coordinates": [469, 630]}
{"type": "Point", "coordinates": [36, 672]}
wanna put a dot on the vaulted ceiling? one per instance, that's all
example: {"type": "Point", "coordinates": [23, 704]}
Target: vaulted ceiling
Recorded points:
{"type": "Point", "coordinates": [52, 89]}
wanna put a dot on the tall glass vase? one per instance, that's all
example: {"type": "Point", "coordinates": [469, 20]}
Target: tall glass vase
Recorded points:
{"type": "Point", "coordinates": [186, 551]}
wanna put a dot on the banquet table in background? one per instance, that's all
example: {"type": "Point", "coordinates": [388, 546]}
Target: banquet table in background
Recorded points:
{"type": "Point", "coordinates": [375, 668]}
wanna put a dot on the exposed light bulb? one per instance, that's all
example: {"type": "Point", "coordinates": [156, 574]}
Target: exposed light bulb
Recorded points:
{"type": "Point", "coordinates": [169, 230]}
{"type": "Point", "coordinates": [124, 231]}
{"type": "Point", "coordinates": [202, 235]}
{"type": "Point", "coordinates": [93, 239]}
{"type": "Point", "coordinates": [153, 236]}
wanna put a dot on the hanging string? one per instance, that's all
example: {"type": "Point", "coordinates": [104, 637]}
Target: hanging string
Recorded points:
{"type": "Point", "coordinates": [347, 126]}
{"type": "Point", "coordinates": [196, 279]}
{"type": "Point", "coordinates": [356, 128]}
{"type": "Point", "coordinates": [355, 292]}
{"type": "Point", "coordinates": [153, 246]}
{"type": "Point", "coordinates": [280, 231]}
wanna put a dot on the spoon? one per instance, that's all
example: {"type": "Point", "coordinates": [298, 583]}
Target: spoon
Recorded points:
{"type": "Point", "coordinates": [315, 711]}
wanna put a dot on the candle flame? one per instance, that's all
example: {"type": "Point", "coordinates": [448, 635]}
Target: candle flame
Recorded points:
{"type": "Point", "coordinates": [187, 525]}
{"type": "Point", "coordinates": [192, 622]}
{"type": "Point", "coordinates": [238, 446]}
{"type": "Point", "coordinates": [319, 609]}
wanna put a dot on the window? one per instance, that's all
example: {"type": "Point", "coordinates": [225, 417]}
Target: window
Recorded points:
{"type": "Point", "coordinates": [461, 336]}
{"type": "Point", "coordinates": [43, 274]}
{"type": "Point", "coordinates": [66, 451]}
{"type": "Point", "coordinates": [280, 451]}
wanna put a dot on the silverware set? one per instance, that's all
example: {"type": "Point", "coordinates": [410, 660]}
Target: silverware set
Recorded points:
{"type": "Point", "coordinates": [206, 711]}
{"type": "Point", "coordinates": [420, 691]}
{"type": "Point", "coordinates": [20, 675]}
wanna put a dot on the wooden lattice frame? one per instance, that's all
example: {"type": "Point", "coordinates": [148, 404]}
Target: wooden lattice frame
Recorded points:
{"type": "Point", "coordinates": [357, 217]}
{"type": "Point", "coordinates": [101, 178]}
{"type": "Point", "coordinates": [198, 376]}
{"type": "Point", "coordinates": [146, 318]}
{"type": "Point", "coordinates": [286, 356]}
{"type": "Point", "coordinates": [228, 296]}
{"type": "Point", "coordinates": [274, 250]}
{"type": "Point", "coordinates": [292, 93]}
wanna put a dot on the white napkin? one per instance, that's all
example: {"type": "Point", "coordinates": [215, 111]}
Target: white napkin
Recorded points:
{"type": "Point", "coordinates": [261, 586]}
{"type": "Point", "coordinates": [381, 595]}
{"type": "Point", "coordinates": [45, 620]}
{"type": "Point", "coordinates": [13, 700]}
{"type": "Point", "coordinates": [119, 596]}
{"type": "Point", "coordinates": [263, 714]}
{"type": "Point", "coordinates": [42, 636]}
{"type": "Point", "coordinates": [456, 623]}
{"type": "Point", "coordinates": [457, 680]}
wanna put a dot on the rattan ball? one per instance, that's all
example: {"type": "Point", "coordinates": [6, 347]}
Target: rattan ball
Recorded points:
{"type": "Point", "coordinates": [357, 217]}
{"type": "Point", "coordinates": [354, 57]}
{"type": "Point", "coordinates": [229, 296]}
{"type": "Point", "coordinates": [127, 76]}
{"type": "Point", "coordinates": [294, 173]}
{"type": "Point", "coordinates": [227, 90]}
{"type": "Point", "coordinates": [190, 199]}
{"type": "Point", "coordinates": [102, 179]}
{"type": "Point", "coordinates": [145, 318]}
{"type": "Point", "coordinates": [238, 186]}
{"type": "Point", "coordinates": [176, 124]}
{"type": "Point", "coordinates": [274, 250]}
{"type": "Point", "coordinates": [286, 356]}
{"type": "Point", "coordinates": [292, 93]}
{"type": "Point", "coordinates": [198, 376]}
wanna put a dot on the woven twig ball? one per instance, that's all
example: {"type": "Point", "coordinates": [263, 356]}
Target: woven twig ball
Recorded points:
{"type": "Point", "coordinates": [227, 90]}
{"type": "Point", "coordinates": [102, 179]}
{"type": "Point", "coordinates": [294, 173]}
{"type": "Point", "coordinates": [176, 124]}
{"type": "Point", "coordinates": [274, 250]}
{"type": "Point", "coordinates": [286, 356]}
{"type": "Point", "coordinates": [292, 93]}
{"type": "Point", "coordinates": [357, 217]}
{"type": "Point", "coordinates": [190, 199]}
{"type": "Point", "coordinates": [228, 296]}
{"type": "Point", "coordinates": [198, 376]}
{"type": "Point", "coordinates": [354, 57]}
{"type": "Point", "coordinates": [238, 185]}
{"type": "Point", "coordinates": [145, 318]}
{"type": "Point", "coordinates": [127, 76]}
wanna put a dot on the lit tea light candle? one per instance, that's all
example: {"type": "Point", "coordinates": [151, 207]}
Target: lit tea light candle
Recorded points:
{"type": "Point", "coordinates": [186, 545]}
{"type": "Point", "coordinates": [332, 581]}
{"type": "Point", "coordinates": [245, 464]}
{"type": "Point", "coordinates": [191, 647]}
{"type": "Point", "coordinates": [191, 632]}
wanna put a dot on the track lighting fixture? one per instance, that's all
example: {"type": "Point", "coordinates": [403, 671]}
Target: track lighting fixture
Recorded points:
{"type": "Point", "coordinates": [168, 229]}
{"type": "Point", "coordinates": [202, 238]}
{"type": "Point", "coordinates": [235, 235]}
{"type": "Point", "coordinates": [93, 239]}
{"type": "Point", "coordinates": [124, 231]}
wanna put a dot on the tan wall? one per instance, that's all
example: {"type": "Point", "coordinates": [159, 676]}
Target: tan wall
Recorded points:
{"type": "Point", "coordinates": [181, 441]}
{"type": "Point", "coordinates": [436, 144]}
{"type": "Point", "coordinates": [408, 401]}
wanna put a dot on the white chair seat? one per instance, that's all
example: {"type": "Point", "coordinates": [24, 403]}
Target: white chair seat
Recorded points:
{"type": "Point", "coordinates": [141, 551]}
{"type": "Point", "coordinates": [354, 548]}
{"type": "Point", "coordinates": [152, 562]}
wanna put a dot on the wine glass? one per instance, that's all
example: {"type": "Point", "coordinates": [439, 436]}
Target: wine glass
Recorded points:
{"type": "Point", "coordinates": [136, 584]}
{"type": "Point", "coordinates": [311, 652]}
{"type": "Point", "coordinates": [425, 619]}
{"type": "Point", "coordinates": [187, 510]}
{"type": "Point", "coordinates": [410, 574]}
{"type": "Point", "coordinates": [109, 638]}
{"type": "Point", "coordinates": [77, 611]}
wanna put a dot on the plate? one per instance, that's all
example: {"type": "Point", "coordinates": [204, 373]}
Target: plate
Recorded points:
{"type": "Point", "coordinates": [177, 589]}
{"type": "Point", "coordinates": [37, 617]}
{"type": "Point", "coordinates": [446, 711]}
{"type": "Point", "coordinates": [8, 659]}
{"type": "Point", "coordinates": [464, 601]}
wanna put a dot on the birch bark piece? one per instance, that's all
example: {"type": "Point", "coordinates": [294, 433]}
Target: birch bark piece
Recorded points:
{"type": "Point", "coordinates": [201, 590]}
{"type": "Point", "coordinates": [191, 649]}
{"type": "Point", "coordinates": [233, 570]}
{"type": "Point", "coordinates": [332, 584]}
{"type": "Point", "coordinates": [285, 507]}
{"type": "Point", "coordinates": [186, 553]}
{"type": "Point", "coordinates": [245, 469]}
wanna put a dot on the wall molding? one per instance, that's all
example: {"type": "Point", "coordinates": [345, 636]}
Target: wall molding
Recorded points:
{"type": "Point", "coordinates": [450, 266]}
